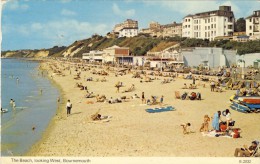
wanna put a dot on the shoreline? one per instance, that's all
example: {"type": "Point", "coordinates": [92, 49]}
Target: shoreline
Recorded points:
{"type": "Point", "coordinates": [36, 146]}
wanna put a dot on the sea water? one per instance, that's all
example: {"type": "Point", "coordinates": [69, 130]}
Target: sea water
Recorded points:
{"type": "Point", "coordinates": [33, 107]}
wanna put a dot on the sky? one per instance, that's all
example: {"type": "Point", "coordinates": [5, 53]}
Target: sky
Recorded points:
{"type": "Point", "coordinates": [37, 24]}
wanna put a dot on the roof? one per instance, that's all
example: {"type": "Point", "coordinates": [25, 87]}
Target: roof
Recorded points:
{"type": "Point", "coordinates": [243, 36]}
{"type": "Point", "coordinates": [190, 15]}
{"type": "Point", "coordinates": [172, 25]}
{"type": "Point", "coordinates": [208, 13]}
{"type": "Point", "coordinates": [254, 14]}
{"type": "Point", "coordinates": [128, 28]}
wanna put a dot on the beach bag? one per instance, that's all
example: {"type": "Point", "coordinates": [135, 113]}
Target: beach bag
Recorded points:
{"type": "Point", "coordinates": [232, 123]}
{"type": "Point", "coordinates": [236, 133]}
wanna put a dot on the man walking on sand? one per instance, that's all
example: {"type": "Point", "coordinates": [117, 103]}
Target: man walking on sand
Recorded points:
{"type": "Point", "coordinates": [69, 106]}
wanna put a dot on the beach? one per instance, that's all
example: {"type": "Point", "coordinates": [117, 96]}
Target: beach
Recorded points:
{"type": "Point", "coordinates": [130, 130]}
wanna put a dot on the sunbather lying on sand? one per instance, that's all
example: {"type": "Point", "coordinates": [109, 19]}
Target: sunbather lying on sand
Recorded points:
{"type": "Point", "coordinates": [89, 79]}
{"type": "Point", "coordinates": [130, 89]}
{"type": "Point", "coordinates": [101, 98]}
{"type": "Point", "coordinates": [135, 96]}
{"type": "Point", "coordinates": [89, 95]}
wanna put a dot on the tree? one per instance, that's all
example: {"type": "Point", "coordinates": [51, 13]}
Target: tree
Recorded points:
{"type": "Point", "coordinates": [240, 25]}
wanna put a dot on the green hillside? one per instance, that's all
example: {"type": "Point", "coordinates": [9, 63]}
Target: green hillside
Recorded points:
{"type": "Point", "coordinates": [139, 45]}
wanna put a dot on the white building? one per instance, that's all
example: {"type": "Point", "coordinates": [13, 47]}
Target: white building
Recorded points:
{"type": "Point", "coordinates": [128, 32]}
{"type": "Point", "coordinates": [210, 24]}
{"type": "Point", "coordinates": [252, 25]}
{"type": "Point", "coordinates": [93, 56]}
{"type": "Point", "coordinates": [114, 53]}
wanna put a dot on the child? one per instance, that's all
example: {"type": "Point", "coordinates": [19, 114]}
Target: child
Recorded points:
{"type": "Point", "coordinates": [205, 124]}
{"type": "Point", "coordinates": [161, 100]}
{"type": "Point", "coordinates": [185, 128]}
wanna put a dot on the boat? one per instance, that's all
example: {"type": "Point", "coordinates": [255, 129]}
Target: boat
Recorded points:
{"type": "Point", "coordinates": [246, 104]}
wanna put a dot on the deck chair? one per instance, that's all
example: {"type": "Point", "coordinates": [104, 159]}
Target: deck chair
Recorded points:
{"type": "Point", "coordinates": [177, 95]}
{"type": "Point", "coordinates": [256, 153]}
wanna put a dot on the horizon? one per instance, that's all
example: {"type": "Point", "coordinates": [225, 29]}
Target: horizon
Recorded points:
{"type": "Point", "coordinates": [43, 24]}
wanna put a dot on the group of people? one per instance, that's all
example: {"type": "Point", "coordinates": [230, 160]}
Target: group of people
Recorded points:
{"type": "Point", "coordinates": [192, 96]}
{"type": "Point", "coordinates": [217, 121]}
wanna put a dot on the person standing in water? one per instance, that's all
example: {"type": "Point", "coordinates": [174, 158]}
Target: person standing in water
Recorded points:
{"type": "Point", "coordinates": [40, 91]}
{"type": "Point", "coordinates": [11, 101]}
{"type": "Point", "coordinates": [14, 104]}
{"type": "Point", "coordinates": [17, 80]}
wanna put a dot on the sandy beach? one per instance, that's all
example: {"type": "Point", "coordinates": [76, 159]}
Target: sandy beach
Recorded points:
{"type": "Point", "coordinates": [131, 131]}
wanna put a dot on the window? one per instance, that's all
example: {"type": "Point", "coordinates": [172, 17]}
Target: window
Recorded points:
{"type": "Point", "coordinates": [250, 20]}
{"type": "Point", "coordinates": [224, 34]}
{"type": "Point", "coordinates": [205, 34]}
{"type": "Point", "coordinates": [214, 25]}
{"type": "Point", "coordinates": [211, 25]}
{"type": "Point", "coordinates": [211, 19]}
{"type": "Point", "coordinates": [208, 34]}
{"type": "Point", "coordinates": [205, 20]}
{"type": "Point", "coordinates": [215, 19]}
{"type": "Point", "coordinates": [188, 25]}
{"type": "Point", "coordinates": [208, 27]}
{"type": "Point", "coordinates": [225, 19]}
{"type": "Point", "coordinates": [250, 27]}
{"type": "Point", "coordinates": [205, 27]}
{"type": "Point", "coordinates": [224, 26]}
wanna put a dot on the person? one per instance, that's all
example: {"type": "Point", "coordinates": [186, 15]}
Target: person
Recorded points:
{"type": "Point", "coordinates": [185, 86]}
{"type": "Point", "coordinates": [216, 120]}
{"type": "Point", "coordinates": [193, 78]}
{"type": "Point", "coordinates": [17, 80]}
{"type": "Point", "coordinates": [237, 92]}
{"type": "Point", "coordinates": [143, 98]}
{"type": "Point", "coordinates": [111, 100]}
{"type": "Point", "coordinates": [246, 151]}
{"type": "Point", "coordinates": [212, 86]}
{"type": "Point", "coordinates": [198, 96]}
{"type": "Point", "coordinates": [161, 100]}
{"type": "Point", "coordinates": [193, 96]}
{"type": "Point", "coordinates": [205, 124]}
{"type": "Point", "coordinates": [11, 101]}
{"type": "Point", "coordinates": [228, 117]}
{"type": "Point", "coordinates": [135, 96]}
{"type": "Point", "coordinates": [148, 102]}
{"type": "Point", "coordinates": [14, 104]}
{"type": "Point", "coordinates": [185, 128]}
{"type": "Point", "coordinates": [69, 106]}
